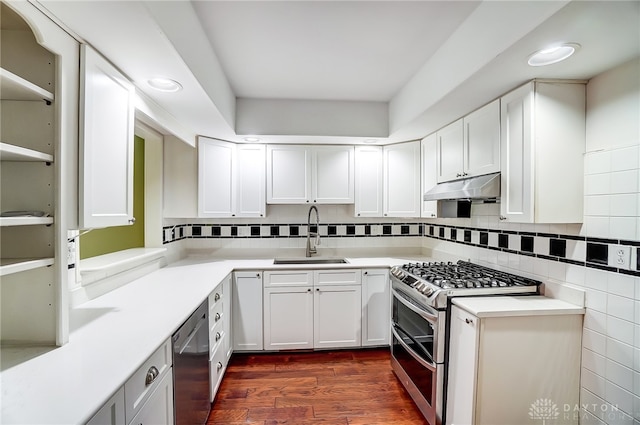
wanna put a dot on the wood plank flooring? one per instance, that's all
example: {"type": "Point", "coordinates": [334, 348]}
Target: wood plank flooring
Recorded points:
{"type": "Point", "coordinates": [346, 387]}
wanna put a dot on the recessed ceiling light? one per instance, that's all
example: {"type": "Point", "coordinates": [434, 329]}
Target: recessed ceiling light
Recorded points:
{"type": "Point", "coordinates": [251, 139]}
{"type": "Point", "coordinates": [553, 54]}
{"type": "Point", "coordinates": [165, 85]}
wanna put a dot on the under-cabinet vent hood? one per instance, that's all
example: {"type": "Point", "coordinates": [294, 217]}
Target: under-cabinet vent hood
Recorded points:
{"type": "Point", "coordinates": [479, 187]}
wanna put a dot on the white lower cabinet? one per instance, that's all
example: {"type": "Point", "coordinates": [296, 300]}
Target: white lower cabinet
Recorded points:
{"type": "Point", "coordinates": [147, 396]}
{"type": "Point", "coordinates": [218, 334]}
{"type": "Point", "coordinates": [501, 369]}
{"type": "Point", "coordinates": [247, 311]}
{"type": "Point", "coordinates": [288, 318]}
{"type": "Point", "coordinates": [337, 316]}
{"type": "Point", "coordinates": [312, 309]}
{"type": "Point", "coordinates": [158, 410]}
{"type": "Point", "coordinates": [376, 307]}
{"type": "Point", "coordinates": [112, 413]}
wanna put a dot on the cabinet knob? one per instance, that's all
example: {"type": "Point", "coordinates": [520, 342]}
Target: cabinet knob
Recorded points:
{"type": "Point", "coordinates": [433, 215]}
{"type": "Point", "coordinates": [366, 272]}
{"type": "Point", "coordinates": [468, 321]}
{"type": "Point", "coordinates": [216, 297]}
{"type": "Point", "coordinates": [132, 220]}
{"type": "Point", "coordinates": [502, 218]}
{"type": "Point", "coordinates": [152, 374]}
{"type": "Point", "coordinates": [217, 317]}
{"type": "Point", "coordinates": [218, 336]}
{"type": "Point", "coordinates": [257, 274]}
{"type": "Point", "coordinates": [218, 366]}
{"type": "Point", "coordinates": [309, 290]}
{"type": "Point", "coordinates": [317, 289]}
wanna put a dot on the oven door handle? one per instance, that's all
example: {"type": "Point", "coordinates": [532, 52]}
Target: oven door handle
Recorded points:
{"type": "Point", "coordinates": [423, 362]}
{"type": "Point", "coordinates": [433, 318]}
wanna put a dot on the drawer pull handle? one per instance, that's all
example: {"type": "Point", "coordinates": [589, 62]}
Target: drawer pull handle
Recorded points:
{"type": "Point", "coordinates": [468, 321]}
{"type": "Point", "coordinates": [218, 336]}
{"type": "Point", "coordinates": [216, 297]}
{"type": "Point", "coordinates": [218, 366]}
{"type": "Point", "coordinates": [152, 374]}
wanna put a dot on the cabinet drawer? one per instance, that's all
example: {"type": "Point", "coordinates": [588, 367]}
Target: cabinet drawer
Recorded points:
{"type": "Point", "coordinates": [136, 389]}
{"type": "Point", "coordinates": [338, 277]}
{"type": "Point", "coordinates": [288, 278]}
{"type": "Point", "coordinates": [215, 297]}
{"type": "Point", "coordinates": [216, 314]}
{"type": "Point", "coordinates": [216, 338]}
{"type": "Point", "coordinates": [158, 410]}
{"type": "Point", "coordinates": [217, 368]}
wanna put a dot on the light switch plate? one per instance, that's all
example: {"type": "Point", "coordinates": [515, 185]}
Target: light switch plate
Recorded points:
{"type": "Point", "coordinates": [620, 257]}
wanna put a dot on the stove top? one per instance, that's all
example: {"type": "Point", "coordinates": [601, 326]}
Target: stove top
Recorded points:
{"type": "Point", "coordinates": [433, 282]}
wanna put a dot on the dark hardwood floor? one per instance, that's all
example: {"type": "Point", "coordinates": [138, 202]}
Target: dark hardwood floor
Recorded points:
{"type": "Point", "coordinates": [343, 387]}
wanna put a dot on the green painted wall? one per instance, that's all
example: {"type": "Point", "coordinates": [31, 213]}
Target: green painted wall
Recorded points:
{"type": "Point", "coordinates": [112, 239]}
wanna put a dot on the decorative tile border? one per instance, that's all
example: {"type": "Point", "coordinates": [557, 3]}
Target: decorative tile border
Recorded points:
{"type": "Point", "coordinates": [266, 231]}
{"type": "Point", "coordinates": [570, 249]}
{"type": "Point", "coordinates": [577, 250]}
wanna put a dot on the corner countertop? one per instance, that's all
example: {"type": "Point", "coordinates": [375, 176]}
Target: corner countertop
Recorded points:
{"type": "Point", "coordinates": [504, 306]}
{"type": "Point", "coordinates": [111, 336]}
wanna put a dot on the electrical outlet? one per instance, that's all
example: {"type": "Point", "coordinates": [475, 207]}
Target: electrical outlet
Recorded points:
{"type": "Point", "coordinates": [620, 257]}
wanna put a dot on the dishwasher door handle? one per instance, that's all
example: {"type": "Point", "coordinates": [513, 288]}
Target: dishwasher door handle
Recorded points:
{"type": "Point", "coordinates": [193, 332]}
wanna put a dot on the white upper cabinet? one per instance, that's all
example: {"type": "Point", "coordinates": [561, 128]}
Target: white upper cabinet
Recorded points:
{"type": "Point", "coordinates": [310, 174]}
{"type": "Point", "coordinates": [429, 174]}
{"type": "Point", "coordinates": [482, 140]}
{"type": "Point", "coordinates": [542, 148]}
{"type": "Point", "coordinates": [470, 146]}
{"type": "Point", "coordinates": [450, 151]}
{"type": "Point", "coordinates": [106, 148]}
{"type": "Point", "coordinates": [230, 179]}
{"type": "Point", "coordinates": [401, 188]}
{"type": "Point", "coordinates": [333, 173]}
{"type": "Point", "coordinates": [216, 184]}
{"type": "Point", "coordinates": [368, 181]}
{"type": "Point", "coordinates": [250, 184]}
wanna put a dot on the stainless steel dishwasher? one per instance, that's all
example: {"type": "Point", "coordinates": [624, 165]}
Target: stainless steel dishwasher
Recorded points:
{"type": "Point", "coordinates": [191, 368]}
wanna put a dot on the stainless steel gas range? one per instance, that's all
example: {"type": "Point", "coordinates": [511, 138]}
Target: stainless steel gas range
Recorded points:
{"type": "Point", "coordinates": [422, 294]}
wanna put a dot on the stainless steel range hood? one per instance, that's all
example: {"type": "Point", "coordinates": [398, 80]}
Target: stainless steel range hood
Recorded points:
{"type": "Point", "coordinates": [479, 187]}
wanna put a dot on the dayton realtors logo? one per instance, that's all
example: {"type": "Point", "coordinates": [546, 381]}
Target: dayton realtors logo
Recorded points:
{"type": "Point", "coordinates": [543, 409]}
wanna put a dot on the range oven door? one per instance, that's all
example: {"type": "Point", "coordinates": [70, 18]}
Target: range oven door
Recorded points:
{"type": "Point", "coordinates": [414, 354]}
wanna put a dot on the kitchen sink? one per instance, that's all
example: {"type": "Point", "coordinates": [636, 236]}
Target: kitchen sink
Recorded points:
{"type": "Point", "coordinates": [310, 260]}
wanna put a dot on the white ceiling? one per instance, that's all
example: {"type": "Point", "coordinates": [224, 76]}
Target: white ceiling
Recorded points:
{"type": "Point", "coordinates": [343, 71]}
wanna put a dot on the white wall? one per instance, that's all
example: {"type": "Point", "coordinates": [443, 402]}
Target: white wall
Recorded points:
{"type": "Point", "coordinates": [610, 392]}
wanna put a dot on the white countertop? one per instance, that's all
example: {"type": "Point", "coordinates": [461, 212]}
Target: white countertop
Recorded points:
{"type": "Point", "coordinates": [111, 336]}
{"type": "Point", "coordinates": [503, 306]}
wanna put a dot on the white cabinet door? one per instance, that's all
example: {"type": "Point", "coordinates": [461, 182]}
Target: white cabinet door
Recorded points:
{"type": "Point", "coordinates": [450, 150]}
{"type": "Point", "coordinates": [288, 318]}
{"type": "Point", "coordinates": [337, 316]}
{"type": "Point", "coordinates": [516, 198]}
{"type": "Point", "coordinates": [158, 410]}
{"type": "Point", "coordinates": [247, 311]}
{"type": "Point", "coordinates": [462, 367]}
{"type": "Point", "coordinates": [106, 148]}
{"type": "Point", "coordinates": [542, 153]}
{"type": "Point", "coordinates": [402, 180]}
{"type": "Point", "coordinates": [368, 181]}
{"type": "Point", "coordinates": [333, 174]}
{"type": "Point", "coordinates": [250, 187]}
{"type": "Point", "coordinates": [112, 413]}
{"type": "Point", "coordinates": [429, 153]}
{"type": "Point", "coordinates": [482, 140]}
{"type": "Point", "coordinates": [216, 182]}
{"type": "Point", "coordinates": [376, 307]}
{"type": "Point", "coordinates": [288, 174]}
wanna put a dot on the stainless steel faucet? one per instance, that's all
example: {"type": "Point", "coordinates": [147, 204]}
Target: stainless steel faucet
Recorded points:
{"type": "Point", "coordinates": [311, 250]}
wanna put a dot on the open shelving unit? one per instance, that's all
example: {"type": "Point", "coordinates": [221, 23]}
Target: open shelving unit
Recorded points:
{"type": "Point", "coordinates": [30, 281]}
